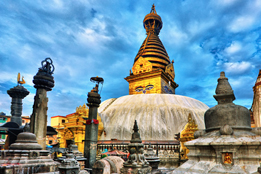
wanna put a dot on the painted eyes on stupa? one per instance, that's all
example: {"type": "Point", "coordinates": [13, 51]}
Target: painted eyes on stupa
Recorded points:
{"type": "Point", "coordinates": [141, 89]}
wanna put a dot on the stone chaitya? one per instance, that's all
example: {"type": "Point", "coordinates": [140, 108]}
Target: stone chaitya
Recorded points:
{"type": "Point", "coordinates": [136, 162]}
{"type": "Point", "coordinates": [228, 144]}
{"type": "Point", "coordinates": [152, 158]}
{"type": "Point", "coordinates": [27, 156]}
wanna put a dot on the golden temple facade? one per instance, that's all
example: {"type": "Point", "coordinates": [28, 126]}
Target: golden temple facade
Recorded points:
{"type": "Point", "coordinates": [152, 71]}
{"type": "Point", "coordinates": [72, 127]}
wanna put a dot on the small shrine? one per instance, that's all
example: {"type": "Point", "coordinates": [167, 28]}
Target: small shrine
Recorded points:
{"type": "Point", "coordinates": [187, 134]}
{"type": "Point", "coordinates": [228, 144]}
{"type": "Point", "coordinates": [27, 156]}
{"type": "Point", "coordinates": [152, 158]}
{"type": "Point", "coordinates": [136, 162]}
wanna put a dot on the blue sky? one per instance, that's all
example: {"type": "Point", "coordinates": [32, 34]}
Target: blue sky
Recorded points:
{"type": "Point", "coordinates": [101, 38]}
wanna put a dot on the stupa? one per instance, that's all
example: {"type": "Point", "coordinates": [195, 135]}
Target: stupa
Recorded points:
{"type": "Point", "coordinates": [27, 156]}
{"type": "Point", "coordinates": [228, 144]}
{"type": "Point", "coordinates": [136, 162]}
{"type": "Point", "coordinates": [152, 100]}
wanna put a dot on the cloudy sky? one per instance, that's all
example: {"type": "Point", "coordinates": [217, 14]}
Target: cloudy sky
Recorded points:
{"type": "Point", "coordinates": [101, 38]}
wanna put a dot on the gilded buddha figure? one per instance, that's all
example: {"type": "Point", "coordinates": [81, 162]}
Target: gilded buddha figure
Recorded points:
{"type": "Point", "coordinates": [227, 159]}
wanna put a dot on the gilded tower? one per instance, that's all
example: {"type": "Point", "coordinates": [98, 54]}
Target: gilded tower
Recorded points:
{"type": "Point", "coordinates": [256, 106]}
{"type": "Point", "coordinates": [152, 71]}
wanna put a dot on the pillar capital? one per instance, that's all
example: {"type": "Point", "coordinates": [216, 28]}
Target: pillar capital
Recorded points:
{"type": "Point", "coordinates": [94, 99]}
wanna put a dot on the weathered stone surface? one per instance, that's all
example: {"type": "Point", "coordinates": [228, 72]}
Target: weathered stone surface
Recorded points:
{"type": "Point", "coordinates": [226, 130]}
{"type": "Point", "coordinates": [108, 165]}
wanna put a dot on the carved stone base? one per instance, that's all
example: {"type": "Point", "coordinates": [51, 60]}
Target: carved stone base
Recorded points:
{"type": "Point", "coordinates": [134, 170]}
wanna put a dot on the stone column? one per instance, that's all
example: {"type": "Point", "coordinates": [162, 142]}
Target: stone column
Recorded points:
{"type": "Point", "coordinates": [91, 130]}
{"type": "Point", "coordinates": [44, 82]}
{"type": "Point", "coordinates": [17, 94]}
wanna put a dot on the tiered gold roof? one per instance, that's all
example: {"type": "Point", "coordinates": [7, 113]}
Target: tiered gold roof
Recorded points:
{"type": "Point", "coordinates": [152, 71]}
{"type": "Point", "coordinates": [152, 48]}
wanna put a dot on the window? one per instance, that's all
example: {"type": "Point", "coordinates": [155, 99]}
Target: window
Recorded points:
{"type": "Point", "coordinates": [63, 121]}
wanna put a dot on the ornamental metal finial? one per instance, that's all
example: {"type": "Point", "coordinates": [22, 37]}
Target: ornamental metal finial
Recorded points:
{"type": "Point", "coordinates": [20, 81]}
{"type": "Point", "coordinates": [153, 10]}
{"type": "Point", "coordinates": [98, 80]}
{"type": "Point", "coordinates": [47, 66]}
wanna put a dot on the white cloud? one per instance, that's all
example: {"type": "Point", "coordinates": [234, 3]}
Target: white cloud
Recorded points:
{"type": "Point", "coordinates": [233, 48]}
{"type": "Point", "coordinates": [241, 23]}
{"type": "Point", "coordinates": [237, 67]}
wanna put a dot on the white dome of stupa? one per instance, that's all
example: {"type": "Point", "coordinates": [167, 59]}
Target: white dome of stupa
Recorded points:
{"type": "Point", "coordinates": [159, 116]}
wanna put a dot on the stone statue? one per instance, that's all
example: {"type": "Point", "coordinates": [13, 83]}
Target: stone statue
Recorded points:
{"type": "Point", "coordinates": [95, 89]}
{"type": "Point", "coordinates": [133, 157]}
{"type": "Point", "coordinates": [141, 157]}
{"type": "Point", "coordinates": [26, 127]}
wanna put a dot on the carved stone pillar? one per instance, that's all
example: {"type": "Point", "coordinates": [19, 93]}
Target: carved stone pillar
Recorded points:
{"type": "Point", "coordinates": [17, 94]}
{"type": "Point", "coordinates": [91, 130]}
{"type": "Point", "coordinates": [44, 82]}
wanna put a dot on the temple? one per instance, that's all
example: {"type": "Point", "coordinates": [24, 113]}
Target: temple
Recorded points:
{"type": "Point", "coordinates": [71, 127]}
{"type": "Point", "coordinates": [152, 71]}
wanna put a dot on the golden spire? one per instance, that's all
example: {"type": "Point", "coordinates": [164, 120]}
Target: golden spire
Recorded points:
{"type": "Point", "coordinates": [152, 62]}
{"type": "Point", "coordinates": [152, 48]}
{"type": "Point", "coordinates": [153, 10]}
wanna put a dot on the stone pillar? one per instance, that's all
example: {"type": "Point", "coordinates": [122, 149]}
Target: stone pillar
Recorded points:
{"type": "Point", "coordinates": [44, 82]}
{"type": "Point", "coordinates": [17, 94]}
{"type": "Point", "coordinates": [91, 130]}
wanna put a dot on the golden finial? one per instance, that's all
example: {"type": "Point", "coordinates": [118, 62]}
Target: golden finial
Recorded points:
{"type": "Point", "coordinates": [153, 10]}
{"type": "Point", "coordinates": [18, 79]}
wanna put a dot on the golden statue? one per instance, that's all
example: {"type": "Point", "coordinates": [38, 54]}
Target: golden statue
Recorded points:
{"type": "Point", "coordinates": [95, 89]}
{"type": "Point", "coordinates": [19, 81]}
{"type": "Point", "coordinates": [227, 159]}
